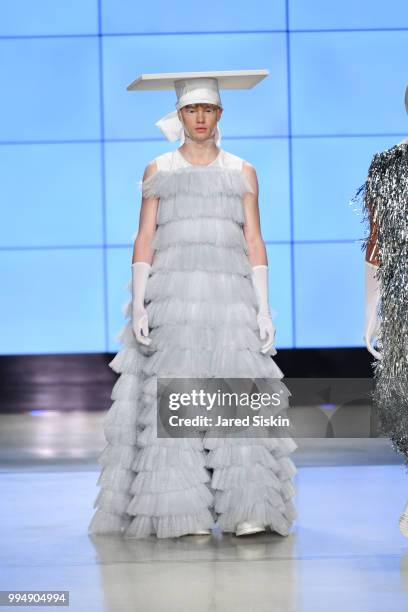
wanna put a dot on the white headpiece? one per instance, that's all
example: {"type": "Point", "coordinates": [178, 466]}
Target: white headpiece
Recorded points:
{"type": "Point", "coordinates": [192, 88]}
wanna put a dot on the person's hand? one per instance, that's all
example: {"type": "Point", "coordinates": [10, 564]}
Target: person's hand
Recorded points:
{"type": "Point", "coordinates": [140, 323]}
{"type": "Point", "coordinates": [267, 330]}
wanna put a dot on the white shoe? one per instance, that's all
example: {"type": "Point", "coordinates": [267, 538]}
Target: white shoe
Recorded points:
{"type": "Point", "coordinates": [247, 528]}
{"type": "Point", "coordinates": [403, 521]}
{"type": "Point", "coordinates": [200, 532]}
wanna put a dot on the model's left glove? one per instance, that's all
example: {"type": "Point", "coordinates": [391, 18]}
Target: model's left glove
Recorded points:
{"type": "Point", "coordinates": [140, 274]}
{"type": "Point", "coordinates": [266, 327]}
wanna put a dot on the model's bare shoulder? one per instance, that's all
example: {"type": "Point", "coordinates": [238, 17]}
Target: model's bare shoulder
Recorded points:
{"type": "Point", "coordinates": [234, 161]}
{"type": "Point", "coordinates": [250, 172]}
{"type": "Point", "coordinates": [162, 162]}
{"type": "Point", "coordinates": [150, 169]}
{"type": "Point", "coordinates": [248, 167]}
{"type": "Point", "coordinates": [231, 161]}
{"type": "Point", "coordinates": [146, 184]}
{"type": "Point", "coordinates": [248, 164]}
{"type": "Point", "coordinates": [165, 161]}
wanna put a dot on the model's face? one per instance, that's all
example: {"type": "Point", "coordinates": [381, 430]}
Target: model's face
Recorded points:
{"type": "Point", "coordinates": [200, 120]}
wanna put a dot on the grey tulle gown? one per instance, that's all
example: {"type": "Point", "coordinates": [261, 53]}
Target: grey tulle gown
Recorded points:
{"type": "Point", "coordinates": [201, 308]}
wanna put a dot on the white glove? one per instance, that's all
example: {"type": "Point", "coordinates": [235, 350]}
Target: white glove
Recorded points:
{"type": "Point", "coordinates": [266, 327]}
{"type": "Point", "coordinates": [140, 274]}
{"type": "Point", "coordinates": [372, 297]}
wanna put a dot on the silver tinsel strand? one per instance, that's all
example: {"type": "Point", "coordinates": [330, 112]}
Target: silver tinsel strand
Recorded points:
{"type": "Point", "coordinates": [385, 196]}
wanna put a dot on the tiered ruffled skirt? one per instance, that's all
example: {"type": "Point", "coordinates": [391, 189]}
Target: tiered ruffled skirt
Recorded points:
{"type": "Point", "coordinates": [201, 308]}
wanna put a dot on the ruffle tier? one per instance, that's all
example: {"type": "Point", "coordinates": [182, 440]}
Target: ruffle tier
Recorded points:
{"type": "Point", "coordinates": [224, 362]}
{"type": "Point", "coordinates": [170, 526]}
{"type": "Point", "coordinates": [213, 315]}
{"type": "Point", "coordinates": [205, 257]}
{"type": "Point", "coordinates": [196, 183]}
{"type": "Point", "coordinates": [212, 230]}
{"type": "Point", "coordinates": [200, 285]}
{"type": "Point", "coordinates": [202, 337]}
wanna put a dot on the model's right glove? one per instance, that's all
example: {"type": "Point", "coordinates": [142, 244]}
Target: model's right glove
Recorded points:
{"type": "Point", "coordinates": [372, 298]}
{"type": "Point", "coordinates": [140, 274]}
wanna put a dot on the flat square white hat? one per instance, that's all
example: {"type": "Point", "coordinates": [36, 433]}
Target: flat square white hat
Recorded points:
{"type": "Point", "coordinates": [226, 79]}
{"type": "Point", "coordinates": [192, 88]}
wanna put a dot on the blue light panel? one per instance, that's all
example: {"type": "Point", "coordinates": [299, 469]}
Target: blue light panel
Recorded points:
{"type": "Point", "coordinates": [74, 144]}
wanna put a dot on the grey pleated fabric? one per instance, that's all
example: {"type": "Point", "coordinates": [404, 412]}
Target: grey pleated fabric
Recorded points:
{"type": "Point", "coordinates": [202, 318]}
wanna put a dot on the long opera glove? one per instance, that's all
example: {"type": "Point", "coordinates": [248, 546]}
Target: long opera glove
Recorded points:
{"type": "Point", "coordinates": [140, 274]}
{"type": "Point", "coordinates": [266, 327]}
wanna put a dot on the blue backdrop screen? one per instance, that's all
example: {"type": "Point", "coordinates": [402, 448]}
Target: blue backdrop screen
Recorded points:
{"type": "Point", "coordinates": [74, 144]}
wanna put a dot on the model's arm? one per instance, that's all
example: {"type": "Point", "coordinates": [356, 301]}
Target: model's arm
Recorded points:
{"type": "Point", "coordinates": [252, 228]}
{"type": "Point", "coordinates": [258, 259]}
{"type": "Point", "coordinates": [372, 288]}
{"type": "Point", "coordinates": [142, 250]}
{"type": "Point", "coordinates": [372, 254]}
{"type": "Point", "coordinates": [142, 261]}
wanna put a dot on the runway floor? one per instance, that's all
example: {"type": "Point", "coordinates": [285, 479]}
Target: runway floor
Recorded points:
{"type": "Point", "coordinates": [345, 553]}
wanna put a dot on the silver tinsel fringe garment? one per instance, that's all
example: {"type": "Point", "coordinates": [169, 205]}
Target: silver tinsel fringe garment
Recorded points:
{"type": "Point", "coordinates": [202, 319]}
{"type": "Point", "coordinates": [385, 197]}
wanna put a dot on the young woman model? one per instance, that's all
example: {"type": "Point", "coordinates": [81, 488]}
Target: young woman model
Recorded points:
{"type": "Point", "coordinates": [199, 309]}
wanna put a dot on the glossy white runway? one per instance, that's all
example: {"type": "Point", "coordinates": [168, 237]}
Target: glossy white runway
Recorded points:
{"type": "Point", "coordinates": [345, 554]}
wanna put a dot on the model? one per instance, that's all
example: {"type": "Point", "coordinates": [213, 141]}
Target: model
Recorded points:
{"type": "Point", "coordinates": [385, 205]}
{"type": "Point", "coordinates": [199, 309]}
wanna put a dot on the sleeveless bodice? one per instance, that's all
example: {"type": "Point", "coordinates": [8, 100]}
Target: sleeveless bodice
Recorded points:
{"type": "Point", "coordinates": [173, 160]}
